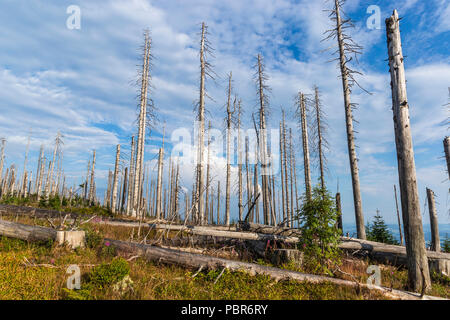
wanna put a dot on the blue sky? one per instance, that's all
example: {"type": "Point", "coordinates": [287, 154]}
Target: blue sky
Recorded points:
{"type": "Point", "coordinates": [81, 82]}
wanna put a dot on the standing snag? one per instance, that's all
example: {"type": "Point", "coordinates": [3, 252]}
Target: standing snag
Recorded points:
{"type": "Point", "coordinates": [348, 47]}
{"type": "Point", "coordinates": [418, 272]}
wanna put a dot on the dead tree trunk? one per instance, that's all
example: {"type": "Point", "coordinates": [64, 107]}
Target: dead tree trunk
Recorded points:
{"type": "Point", "coordinates": [339, 212]}
{"type": "Point", "coordinates": [418, 272]}
{"type": "Point", "coordinates": [124, 190]}
{"type": "Point", "coordinates": [116, 177]}
{"type": "Point", "coordinates": [265, 165]}
{"type": "Point", "coordinates": [435, 241]}
{"type": "Point", "coordinates": [131, 178]}
{"type": "Point", "coordinates": [228, 186]}
{"type": "Point", "coordinates": [398, 216]}
{"type": "Point", "coordinates": [319, 136]}
{"type": "Point", "coordinates": [2, 159]}
{"type": "Point", "coordinates": [447, 153]}
{"type": "Point", "coordinates": [201, 130]}
{"type": "Point", "coordinates": [208, 164]}
{"type": "Point", "coordinates": [159, 183]}
{"type": "Point", "coordinates": [218, 202]}
{"type": "Point", "coordinates": [359, 216]}
{"type": "Point", "coordinates": [91, 186]}
{"type": "Point", "coordinates": [139, 170]}
{"type": "Point", "coordinates": [283, 200]}
{"type": "Point", "coordinates": [240, 191]}
{"type": "Point", "coordinates": [286, 177]}
{"type": "Point", "coordinates": [304, 126]}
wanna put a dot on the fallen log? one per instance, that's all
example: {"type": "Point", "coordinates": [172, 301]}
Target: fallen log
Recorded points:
{"type": "Point", "coordinates": [26, 232]}
{"type": "Point", "coordinates": [196, 261]}
{"type": "Point", "coordinates": [262, 228]}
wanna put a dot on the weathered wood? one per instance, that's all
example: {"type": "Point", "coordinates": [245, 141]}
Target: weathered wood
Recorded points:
{"type": "Point", "coordinates": [447, 154]}
{"type": "Point", "coordinates": [228, 178]}
{"type": "Point", "coordinates": [26, 232]}
{"type": "Point", "coordinates": [434, 224]}
{"type": "Point", "coordinates": [398, 216]}
{"type": "Point", "coordinates": [304, 126]}
{"type": "Point", "coordinates": [359, 216]}
{"type": "Point", "coordinates": [115, 180]}
{"type": "Point", "coordinates": [194, 260]}
{"type": "Point", "coordinates": [409, 195]}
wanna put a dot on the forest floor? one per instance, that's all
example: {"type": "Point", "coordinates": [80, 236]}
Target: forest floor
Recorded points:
{"type": "Point", "coordinates": [39, 271]}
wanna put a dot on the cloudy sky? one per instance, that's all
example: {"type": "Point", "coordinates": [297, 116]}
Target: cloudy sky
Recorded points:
{"type": "Point", "coordinates": [82, 82]}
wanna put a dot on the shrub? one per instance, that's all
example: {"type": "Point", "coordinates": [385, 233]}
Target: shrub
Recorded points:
{"type": "Point", "coordinates": [93, 238]}
{"type": "Point", "coordinates": [108, 273]}
{"type": "Point", "coordinates": [320, 235]}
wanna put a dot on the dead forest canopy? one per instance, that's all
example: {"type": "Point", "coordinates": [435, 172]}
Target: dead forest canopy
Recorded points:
{"type": "Point", "coordinates": [245, 176]}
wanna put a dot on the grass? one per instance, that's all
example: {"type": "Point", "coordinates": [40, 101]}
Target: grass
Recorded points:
{"type": "Point", "coordinates": [157, 281]}
{"type": "Point", "coordinates": [150, 280]}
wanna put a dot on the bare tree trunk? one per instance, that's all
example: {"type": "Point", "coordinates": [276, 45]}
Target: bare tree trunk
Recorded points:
{"type": "Point", "coordinates": [398, 216]}
{"type": "Point", "coordinates": [339, 211]}
{"type": "Point", "coordinates": [447, 153]}
{"type": "Point", "coordinates": [131, 178]}
{"type": "Point", "coordinates": [256, 190]}
{"type": "Point", "coordinates": [263, 141]}
{"type": "Point", "coordinates": [291, 160]}
{"type": "Point", "coordinates": [286, 177]}
{"type": "Point", "coordinates": [361, 232]}
{"type": "Point", "coordinates": [139, 171]}
{"type": "Point", "coordinates": [218, 202]}
{"type": "Point", "coordinates": [283, 198]}
{"type": "Point", "coordinates": [228, 185]}
{"type": "Point", "coordinates": [2, 159]}
{"type": "Point", "coordinates": [306, 167]}
{"type": "Point", "coordinates": [91, 189]}
{"type": "Point", "coordinates": [159, 183]}
{"type": "Point", "coordinates": [208, 174]}
{"type": "Point", "coordinates": [418, 271]}
{"type": "Point", "coordinates": [319, 137]}
{"type": "Point", "coordinates": [201, 131]}
{"type": "Point", "coordinates": [240, 191]}
{"type": "Point", "coordinates": [108, 190]}
{"type": "Point", "coordinates": [124, 190]}
{"type": "Point", "coordinates": [434, 224]}
{"type": "Point", "coordinates": [116, 177]}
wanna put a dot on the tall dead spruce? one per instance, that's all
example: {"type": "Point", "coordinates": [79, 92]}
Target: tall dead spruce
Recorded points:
{"type": "Point", "coordinates": [346, 47]}
{"type": "Point", "coordinates": [142, 123]}
{"type": "Point", "coordinates": [205, 71]}
{"type": "Point", "coordinates": [418, 272]}
{"type": "Point", "coordinates": [262, 89]}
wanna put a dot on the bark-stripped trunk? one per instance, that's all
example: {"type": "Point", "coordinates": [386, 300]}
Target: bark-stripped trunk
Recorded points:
{"type": "Point", "coordinates": [283, 199]}
{"type": "Point", "coordinates": [412, 219]}
{"type": "Point", "coordinates": [228, 185]}
{"type": "Point", "coordinates": [291, 173]}
{"type": "Point", "coordinates": [434, 224]}
{"type": "Point", "coordinates": [240, 191]}
{"type": "Point", "coordinates": [2, 159]}
{"type": "Point", "coordinates": [116, 177]}
{"type": "Point", "coordinates": [218, 202]}
{"type": "Point", "coordinates": [359, 216]}
{"type": "Point", "coordinates": [398, 216]}
{"type": "Point", "coordinates": [92, 184]}
{"type": "Point", "coordinates": [286, 177]}
{"type": "Point", "coordinates": [339, 212]}
{"type": "Point", "coordinates": [159, 183]}
{"type": "Point", "coordinates": [139, 170]}
{"type": "Point", "coordinates": [124, 190]}
{"type": "Point", "coordinates": [108, 190]}
{"type": "Point", "coordinates": [319, 137]}
{"type": "Point", "coordinates": [305, 145]}
{"type": "Point", "coordinates": [208, 174]}
{"type": "Point", "coordinates": [265, 165]}
{"type": "Point", "coordinates": [131, 178]}
{"type": "Point", "coordinates": [201, 131]}
{"type": "Point", "coordinates": [447, 154]}
{"type": "Point", "coordinates": [249, 186]}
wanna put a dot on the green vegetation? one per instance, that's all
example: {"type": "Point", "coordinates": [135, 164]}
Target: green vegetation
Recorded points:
{"type": "Point", "coordinates": [446, 244]}
{"type": "Point", "coordinates": [77, 204]}
{"type": "Point", "coordinates": [378, 231]}
{"type": "Point", "coordinates": [320, 235]}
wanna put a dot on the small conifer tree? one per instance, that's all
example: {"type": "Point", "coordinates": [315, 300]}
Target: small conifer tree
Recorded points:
{"type": "Point", "coordinates": [378, 231]}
